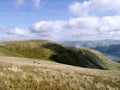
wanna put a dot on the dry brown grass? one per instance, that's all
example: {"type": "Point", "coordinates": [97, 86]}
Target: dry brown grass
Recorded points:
{"type": "Point", "coordinates": [32, 74]}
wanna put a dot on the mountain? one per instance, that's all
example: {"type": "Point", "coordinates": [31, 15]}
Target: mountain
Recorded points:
{"type": "Point", "coordinates": [112, 50]}
{"type": "Point", "coordinates": [32, 74]}
{"type": "Point", "coordinates": [90, 44]}
{"type": "Point", "coordinates": [50, 51]}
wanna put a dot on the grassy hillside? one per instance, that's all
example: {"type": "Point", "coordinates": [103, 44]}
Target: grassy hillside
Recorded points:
{"type": "Point", "coordinates": [31, 74]}
{"type": "Point", "coordinates": [46, 50]}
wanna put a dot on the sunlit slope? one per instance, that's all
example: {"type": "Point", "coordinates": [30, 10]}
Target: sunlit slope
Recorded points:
{"type": "Point", "coordinates": [47, 50]}
{"type": "Point", "coordinates": [31, 74]}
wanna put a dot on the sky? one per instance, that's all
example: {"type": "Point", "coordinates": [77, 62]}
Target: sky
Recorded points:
{"type": "Point", "coordinates": [59, 20]}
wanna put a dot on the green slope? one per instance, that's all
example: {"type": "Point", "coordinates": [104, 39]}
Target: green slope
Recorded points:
{"type": "Point", "coordinates": [46, 50]}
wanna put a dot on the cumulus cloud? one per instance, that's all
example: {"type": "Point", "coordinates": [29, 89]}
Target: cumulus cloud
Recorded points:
{"type": "Point", "coordinates": [88, 27]}
{"type": "Point", "coordinates": [93, 7]}
{"type": "Point", "coordinates": [109, 23]}
{"type": "Point", "coordinates": [79, 28]}
{"type": "Point", "coordinates": [47, 28]}
{"type": "Point", "coordinates": [16, 31]}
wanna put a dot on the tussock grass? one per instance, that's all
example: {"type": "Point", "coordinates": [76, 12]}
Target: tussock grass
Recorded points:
{"type": "Point", "coordinates": [53, 76]}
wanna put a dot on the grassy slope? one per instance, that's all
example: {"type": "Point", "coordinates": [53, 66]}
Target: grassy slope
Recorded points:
{"type": "Point", "coordinates": [41, 49]}
{"type": "Point", "coordinates": [27, 74]}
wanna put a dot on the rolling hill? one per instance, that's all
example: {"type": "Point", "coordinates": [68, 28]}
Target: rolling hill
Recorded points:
{"type": "Point", "coordinates": [92, 43]}
{"type": "Point", "coordinates": [50, 51]}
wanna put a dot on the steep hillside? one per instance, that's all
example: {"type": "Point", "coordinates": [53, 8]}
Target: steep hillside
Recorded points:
{"type": "Point", "coordinates": [32, 74]}
{"type": "Point", "coordinates": [46, 50]}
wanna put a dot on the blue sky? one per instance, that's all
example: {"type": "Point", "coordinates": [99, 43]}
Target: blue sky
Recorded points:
{"type": "Point", "coordinates": [27, 14]}
{"type": "Point", "coordinates": [59, 19]}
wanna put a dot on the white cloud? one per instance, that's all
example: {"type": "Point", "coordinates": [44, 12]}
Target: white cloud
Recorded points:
{"type": "Point", "coordinates": [81, 23]}
{"type": "Point", "coordinates": [48, 29]}
{"type": "Point", "coordinates": [16, 31]}
{"type": "Point", "coordinates": [79, 28]}
{"type": "Point", "coordinates": [37, 3]}
{"type": "Point", "coordinates": [44, 26]}
{"type": "Point", "coordinates": [87, 27]}
{"type": "Point", "coordinates": [109, 23]}
{"type": "Point", "coordinates": [79, 8]}
{"type": "Point", "coordinates": [93, 7]}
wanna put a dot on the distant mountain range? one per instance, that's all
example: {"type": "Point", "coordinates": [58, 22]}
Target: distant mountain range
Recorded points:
{"type": "Point", "coordinates": [109, 47]}
{"type": "Point", "coordinates": [112, 51]}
